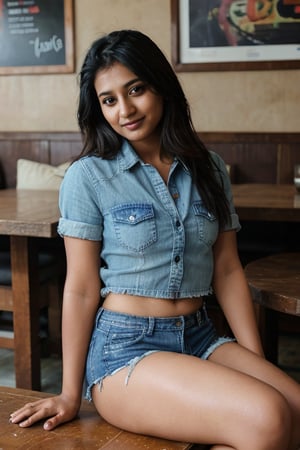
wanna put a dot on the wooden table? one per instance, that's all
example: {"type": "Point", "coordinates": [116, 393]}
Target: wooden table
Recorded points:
{"type": "Point", "coordinates": [275, 282]}
{"type": "Point", "coordinates": [89, 431]}
{"type": "Point", "coordinates": [275, 285]}
{"type": "Point", "coordinates": [271, 285]}
{"type": "Point", "coordinates": [24, 215]}
{"type": "Point", "coordinates": [268, 202]}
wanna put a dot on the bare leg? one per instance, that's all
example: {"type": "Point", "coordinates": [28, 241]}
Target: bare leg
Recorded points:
{"type": "Point", "coordinates": [184, 398]}
{"type": "Point", "coordinates": [236, 357]}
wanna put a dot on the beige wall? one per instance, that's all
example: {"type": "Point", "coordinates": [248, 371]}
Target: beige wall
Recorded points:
{"type": "Point", "coordinates": [220, 101]}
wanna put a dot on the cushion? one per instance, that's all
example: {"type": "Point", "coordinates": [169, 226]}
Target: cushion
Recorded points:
{"type": "Point", "coordinates": [35, 175]}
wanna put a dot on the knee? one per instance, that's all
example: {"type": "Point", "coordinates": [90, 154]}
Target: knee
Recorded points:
{"type": "Point", "coordinates": [272, 422]}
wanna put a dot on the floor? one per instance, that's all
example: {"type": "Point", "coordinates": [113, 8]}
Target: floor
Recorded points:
{"type": "Point", "coordinates": [51, 367]}
{"type": "Point", "coordinates": [51, 371]}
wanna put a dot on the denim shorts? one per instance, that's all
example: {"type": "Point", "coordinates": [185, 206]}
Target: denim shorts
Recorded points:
{"type": "Point", "coordinates": [122, 340]}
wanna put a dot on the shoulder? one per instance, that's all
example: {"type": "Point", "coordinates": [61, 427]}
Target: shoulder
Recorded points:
{"type": "Point", "coordinates": [91, 169]}
{"type": "Point", "coordinates": [97, 168]}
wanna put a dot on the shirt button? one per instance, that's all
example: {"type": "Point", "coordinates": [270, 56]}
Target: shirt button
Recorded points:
{"type": "Point", "coordinates": [177, 259]}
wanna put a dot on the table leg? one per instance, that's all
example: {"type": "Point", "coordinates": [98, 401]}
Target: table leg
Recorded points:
{"type": "Point", "coordinates": [25, 286]}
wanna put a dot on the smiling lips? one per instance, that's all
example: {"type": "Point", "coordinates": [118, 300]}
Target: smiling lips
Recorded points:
{"type": "Point", "coordinates": [133, 125]}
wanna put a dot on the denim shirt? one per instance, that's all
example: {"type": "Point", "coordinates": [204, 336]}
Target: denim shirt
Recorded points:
{"type": "Point", "coordinates": [156, 239]}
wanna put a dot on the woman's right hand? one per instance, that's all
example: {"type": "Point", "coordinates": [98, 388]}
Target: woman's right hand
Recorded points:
{"type": "Point", "coordinates": [57, 410]}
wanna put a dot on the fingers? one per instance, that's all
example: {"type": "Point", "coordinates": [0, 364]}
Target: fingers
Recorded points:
{"type": "Point", "coordinates": [32, 413]}
{"type": "Point", "coordinates": [56, 410]}
{"type": "Point", "coordinates": [52, 423]}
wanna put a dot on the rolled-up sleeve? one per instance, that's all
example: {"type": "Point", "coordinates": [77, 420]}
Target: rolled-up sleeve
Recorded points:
{"type": "Point", "coordinates": [79, 205]}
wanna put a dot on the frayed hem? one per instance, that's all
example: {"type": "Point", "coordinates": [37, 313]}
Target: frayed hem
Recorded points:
{"type": "Point", "coordinates": [217, 343]}
{"type": "Point", "coordinates": [131, 366]}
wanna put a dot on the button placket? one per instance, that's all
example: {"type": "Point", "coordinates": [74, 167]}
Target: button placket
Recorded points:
{"type": "Point", "coordinates": [164, 194]}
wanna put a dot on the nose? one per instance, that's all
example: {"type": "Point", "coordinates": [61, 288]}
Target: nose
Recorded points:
{"type": "Point", "coordinates": [127, 108]}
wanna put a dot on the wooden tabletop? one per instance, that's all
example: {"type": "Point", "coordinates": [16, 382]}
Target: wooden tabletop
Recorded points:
{"type": "Point", "coordinates": [28, 212]}
{"type": "Point", "coordinates": [275, 282]}
{"type": "Point", "coordinates": [270, 202]}
{"type": "Point", "coordinates": [89, 431]}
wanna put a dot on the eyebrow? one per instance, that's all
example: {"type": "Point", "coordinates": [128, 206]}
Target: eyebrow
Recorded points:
{"type": "Point", "coordinates": [126, 85]}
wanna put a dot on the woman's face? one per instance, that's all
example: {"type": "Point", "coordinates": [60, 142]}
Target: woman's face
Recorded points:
{"type": "Point", "coordinates": [129, 105]}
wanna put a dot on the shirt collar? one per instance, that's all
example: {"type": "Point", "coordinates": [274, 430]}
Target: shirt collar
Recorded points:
{"type": "Point", "coordinates": [128, 158]}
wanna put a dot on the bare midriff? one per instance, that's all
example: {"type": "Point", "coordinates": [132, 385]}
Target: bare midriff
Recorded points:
{"type": "Point", "coordinates": [149, 306]}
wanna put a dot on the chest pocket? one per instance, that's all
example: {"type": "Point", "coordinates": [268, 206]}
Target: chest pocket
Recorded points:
{"type": "Point", "coordinates": [207, 224]}
{"type": "Point", "coordinates": [134, 225]}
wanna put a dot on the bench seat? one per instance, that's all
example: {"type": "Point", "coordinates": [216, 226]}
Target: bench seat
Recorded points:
{"type": "Point", "coordinates": [89, 430]}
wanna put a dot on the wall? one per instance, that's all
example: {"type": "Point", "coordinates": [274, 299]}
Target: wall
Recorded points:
{"type": "Point", "coordinates": [220, 101]}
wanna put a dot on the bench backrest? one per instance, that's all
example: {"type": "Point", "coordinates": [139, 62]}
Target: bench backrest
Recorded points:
{"type": "Point", "coordinates": [253, 157]}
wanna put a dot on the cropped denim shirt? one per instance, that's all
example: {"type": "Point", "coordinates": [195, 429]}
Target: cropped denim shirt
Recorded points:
{"type": "Point", "coordinates": [156, 239]}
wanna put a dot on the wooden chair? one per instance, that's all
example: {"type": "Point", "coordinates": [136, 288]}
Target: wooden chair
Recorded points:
{"type": "Point", "coordinates": [275, 285]}
{"type": "Point", "coordinates": [51, 271]}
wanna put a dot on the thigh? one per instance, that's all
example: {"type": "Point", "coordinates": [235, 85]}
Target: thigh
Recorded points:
{"type": "Point", "coordinates": [184, 398]}
{"type": "Point", "coordinates": [239, 358]}
{"type": "Point", "coordinates": [236, 357]}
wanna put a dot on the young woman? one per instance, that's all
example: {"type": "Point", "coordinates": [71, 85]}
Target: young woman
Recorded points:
{"type": "Point", "coordinates": [150, 209]}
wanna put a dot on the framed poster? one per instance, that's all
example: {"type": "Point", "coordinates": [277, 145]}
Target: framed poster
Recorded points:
{"type": "Point", "coordinates": [36, 36]}
{"type": "Point", "coordinates": [235, 34]}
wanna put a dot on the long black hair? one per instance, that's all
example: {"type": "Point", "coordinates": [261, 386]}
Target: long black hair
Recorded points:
{"type": "Point", "coordinates": [143, 57]}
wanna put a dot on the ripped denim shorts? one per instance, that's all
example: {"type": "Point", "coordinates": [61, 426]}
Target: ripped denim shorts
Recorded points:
{"type": "Point", "coordinates": [122, 340]}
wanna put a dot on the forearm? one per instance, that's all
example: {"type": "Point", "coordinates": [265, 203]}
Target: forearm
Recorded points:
{"type": "Point", "coordinates": [78, 319]}
{"type": "Point", "coordinates": [234, 297]}
{"type": "Point", "coordinates": [80, 303]}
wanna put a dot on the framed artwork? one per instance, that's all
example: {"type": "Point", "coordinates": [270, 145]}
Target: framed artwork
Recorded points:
{"type": "Point", "coordinates": [36, 37]}
{"type": "Point", "coordinates": [235, 34]}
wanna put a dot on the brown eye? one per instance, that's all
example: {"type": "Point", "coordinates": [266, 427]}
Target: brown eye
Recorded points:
{"type": "Point", "coordinates": [108, 101]}
{"type": "Point", "coordinates": [138, 89]}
